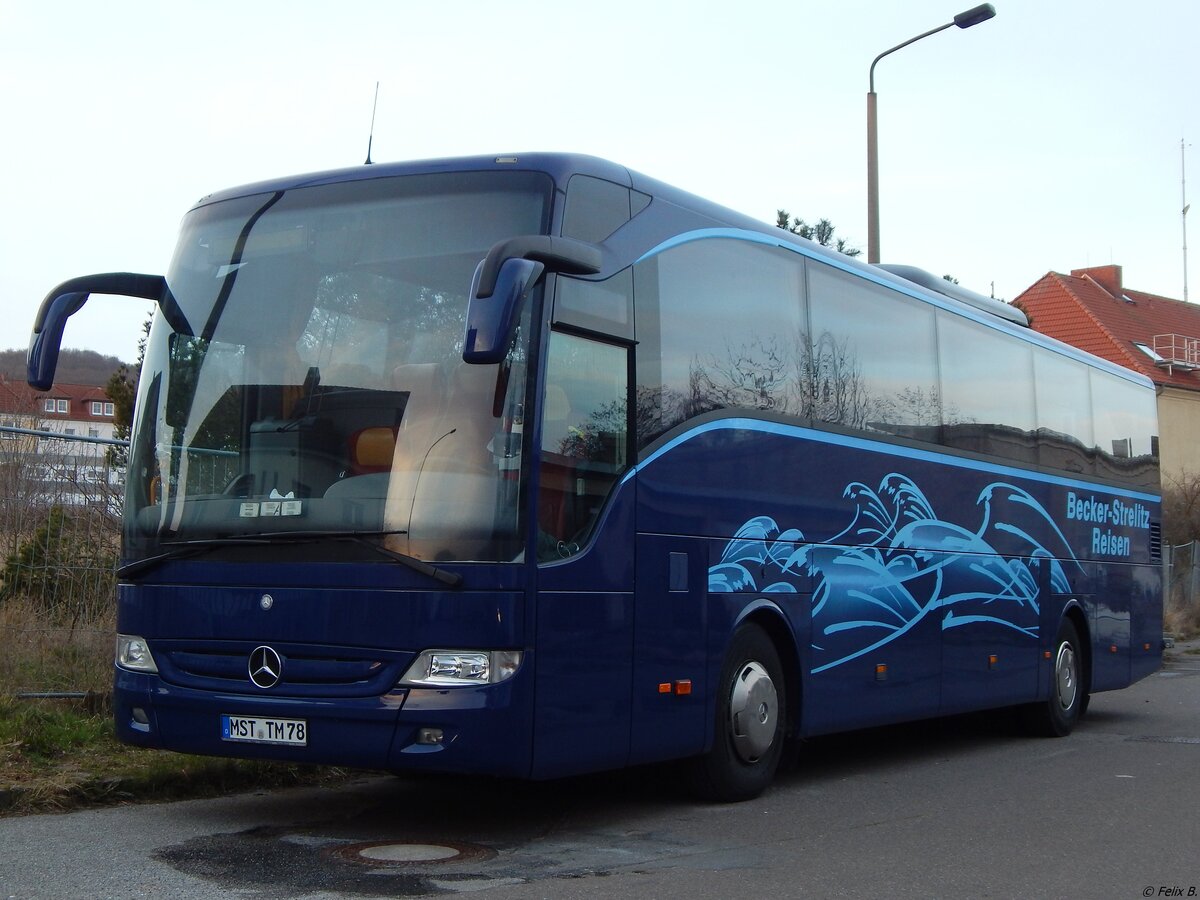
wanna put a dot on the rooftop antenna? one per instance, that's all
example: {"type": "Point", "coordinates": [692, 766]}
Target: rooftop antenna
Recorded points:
{"type": "Point", "coordinates": [371, 136]}
{"type": "Point", "coordinates": [1186, 206]}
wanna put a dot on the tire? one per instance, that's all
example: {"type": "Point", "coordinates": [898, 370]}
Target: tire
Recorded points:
{"type": "Point", "coordinates": [751, 713]}
{"type": "Point", "coordinates": [1058, 714]}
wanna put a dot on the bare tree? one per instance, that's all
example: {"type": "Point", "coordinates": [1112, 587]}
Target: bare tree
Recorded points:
{"type": "Point", "coordinates": [1181, 507]}
{"type": "Point", "coordinates": [754, 374]}
{"type": "Point", "coordinates": [822, 232]}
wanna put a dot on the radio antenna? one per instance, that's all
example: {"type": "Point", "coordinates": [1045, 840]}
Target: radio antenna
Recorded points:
{"type": "Point", "coordinates": [371, 136]}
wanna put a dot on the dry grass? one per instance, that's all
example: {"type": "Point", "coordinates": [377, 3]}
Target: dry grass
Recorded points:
{"type": "Point", "coordinates": [57, 624]}
{"type": "Point", "coordinates": [58, 754]}
{"type": "Point", "coordinates": [46, 652]}
{"type": "Point", "coordinates": [1182, 621]}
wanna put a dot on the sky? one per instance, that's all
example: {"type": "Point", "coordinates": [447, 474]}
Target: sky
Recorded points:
{"type": "Point", "coordinates": [1046, 139]}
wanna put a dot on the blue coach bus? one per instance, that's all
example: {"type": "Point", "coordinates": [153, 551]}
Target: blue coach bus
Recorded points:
{"type": "Point", "coordinates": [534, 466]}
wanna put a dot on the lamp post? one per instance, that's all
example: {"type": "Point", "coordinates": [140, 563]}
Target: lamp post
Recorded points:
{"type": "Point", "coordinates": [973, 16]}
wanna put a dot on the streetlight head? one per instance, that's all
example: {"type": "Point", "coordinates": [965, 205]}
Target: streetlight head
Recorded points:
{"type": "Point", "coordinates": [980, 13]}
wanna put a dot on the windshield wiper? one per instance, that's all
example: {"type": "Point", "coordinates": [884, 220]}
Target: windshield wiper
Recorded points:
{"type": "Point", "coordinates": [137, 567]}
{"type": "Point", "coordinates": [451, 579]}
{"type": "Point", "coordinates": [182, 549]}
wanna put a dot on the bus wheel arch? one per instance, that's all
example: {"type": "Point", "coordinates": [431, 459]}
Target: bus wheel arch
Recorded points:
{"type": "Point", "coordinates": [752, 715]}
{"type": "Point", "coordinates": [1079, 620]}
{"type": "Point", "coordinates": [771, 620]}
{"type": "Point", "coordinates": [1057, 715]}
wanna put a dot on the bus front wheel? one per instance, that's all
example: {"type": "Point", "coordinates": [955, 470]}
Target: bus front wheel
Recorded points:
{"type": "Point", "coordinates": [1057, 716]}
{"type": "Point", "coordinates": [750, 717]}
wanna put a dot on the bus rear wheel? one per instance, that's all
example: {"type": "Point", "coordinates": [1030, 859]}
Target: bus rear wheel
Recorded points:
{"type": "Point", "coordinates": [1058, 715]}
{"type": "Point", "coordinates": [750, 717]}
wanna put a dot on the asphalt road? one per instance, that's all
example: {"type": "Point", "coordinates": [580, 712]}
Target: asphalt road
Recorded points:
{"type": "Point", "coordinates": [958, 808]}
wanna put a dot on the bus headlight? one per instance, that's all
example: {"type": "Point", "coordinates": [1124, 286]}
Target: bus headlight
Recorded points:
{"type": "Point", "coordinates": [459, 667]}
{"type": "Point", "coordinates": [133, 653]}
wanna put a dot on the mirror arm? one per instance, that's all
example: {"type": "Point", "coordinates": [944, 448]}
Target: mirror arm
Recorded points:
{"type": "Point", "coordinates": [127, 284]}
{"type": "Point", "coordinates": [66, 300]}
{"type": "Point", "coordinates": [559, 254]}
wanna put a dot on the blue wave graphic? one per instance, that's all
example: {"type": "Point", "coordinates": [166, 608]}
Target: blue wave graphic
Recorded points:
{"type": "Point", "coordinates": [896, 564]}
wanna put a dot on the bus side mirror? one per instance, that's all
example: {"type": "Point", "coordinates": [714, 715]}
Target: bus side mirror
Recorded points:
{"type": "Point", "coordinates": [44, 343]}
{"type": "Point", "coordinates": [66, 300]}
{"type": "Point", "coordinates": [490, 319]}
{"type": "Point", "coordinates": [511, 268]}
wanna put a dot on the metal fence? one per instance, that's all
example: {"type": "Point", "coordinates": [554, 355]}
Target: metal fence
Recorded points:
{"type": "Point", "coordinates": [60, 524]}
{"type": "Point", "coordinates": [1182, 613]}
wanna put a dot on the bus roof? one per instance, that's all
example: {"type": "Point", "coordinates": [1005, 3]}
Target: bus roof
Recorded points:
{"type": "Point", "coordinates": [562, 166]}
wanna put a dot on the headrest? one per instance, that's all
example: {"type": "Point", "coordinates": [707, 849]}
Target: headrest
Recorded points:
{"type": "Point", "coordinates": [372, 449]}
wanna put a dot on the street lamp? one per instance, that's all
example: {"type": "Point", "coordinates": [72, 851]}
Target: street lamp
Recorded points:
{"type": "Point", "coordinates": [974, 16]}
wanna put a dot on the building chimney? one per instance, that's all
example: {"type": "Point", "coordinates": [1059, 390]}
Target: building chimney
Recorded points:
{"type": "Point", "coordinates": [1108, 277]}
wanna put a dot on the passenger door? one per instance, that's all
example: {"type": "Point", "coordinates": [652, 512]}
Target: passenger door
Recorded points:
{"type": "Point", "coordinates": [584, 613]}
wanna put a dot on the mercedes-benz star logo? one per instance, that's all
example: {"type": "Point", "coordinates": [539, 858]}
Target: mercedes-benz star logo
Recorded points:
{"type": "Point", "coordinates": [265, 667]}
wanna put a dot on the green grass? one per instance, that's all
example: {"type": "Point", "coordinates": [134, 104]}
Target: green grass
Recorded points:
{"type": "Point", "coordinates": [42, 733]}
{"type": "Point", "coordinates": [57, 755]}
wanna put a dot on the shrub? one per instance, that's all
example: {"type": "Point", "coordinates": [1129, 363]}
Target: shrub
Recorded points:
{"type": "Point", "coordinates": [66, 568]}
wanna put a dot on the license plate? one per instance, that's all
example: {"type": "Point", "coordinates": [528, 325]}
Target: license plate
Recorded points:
{"type": "Point", "coordinates": [259, 730]}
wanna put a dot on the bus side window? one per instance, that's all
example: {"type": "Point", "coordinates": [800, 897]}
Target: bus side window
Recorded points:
{"type": "Point", "coordinates": [721, 325]}
{"type": "Point", "coordinates": [585, 439]}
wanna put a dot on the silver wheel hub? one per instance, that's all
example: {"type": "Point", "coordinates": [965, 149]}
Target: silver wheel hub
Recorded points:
{"type": "Point", "coordinates": [1065, 676]}
{"type": "Point", "coordinates": [753, 712]}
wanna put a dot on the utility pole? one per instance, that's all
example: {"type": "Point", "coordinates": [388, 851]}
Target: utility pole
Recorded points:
{"type": "Point", "coordinates": [1183, 183]}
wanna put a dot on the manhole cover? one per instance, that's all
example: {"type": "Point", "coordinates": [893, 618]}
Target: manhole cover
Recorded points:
{"type": "Point", "coordinates": [407, 853]}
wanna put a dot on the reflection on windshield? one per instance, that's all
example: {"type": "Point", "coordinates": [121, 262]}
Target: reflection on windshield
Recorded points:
{"type": "Point", "coordinates": [311, 376]}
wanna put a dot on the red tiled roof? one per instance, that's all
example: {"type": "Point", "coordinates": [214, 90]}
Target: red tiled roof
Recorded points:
{"type": "Point", "coordinates": [1088, 310]}
{"type": "Point", "coordinates": [17, 397]}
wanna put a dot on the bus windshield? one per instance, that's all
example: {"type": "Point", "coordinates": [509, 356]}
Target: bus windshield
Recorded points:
{"type": "Point", "coordinates": [305, 375]}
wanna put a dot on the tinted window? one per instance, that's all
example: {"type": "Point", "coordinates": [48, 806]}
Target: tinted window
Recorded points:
{"type": "Point", "coordinates": [1125, 422]}
{"type": "Point", "coordinates": [595, 208]}
{"type": "Point", "coordinates": [720, 326]}
{"type": "Point", "coordinates": [585, 439]}
{"type": "Point", "coordinates": [987, 389]}
{"type": "Point", "coordinates": [604, 306]}
{"type": "Point", "coordinates": [1064, 412]}
{"type": "Point", "coordinates": [873, 363]}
